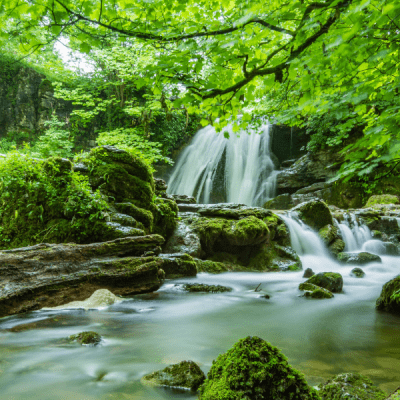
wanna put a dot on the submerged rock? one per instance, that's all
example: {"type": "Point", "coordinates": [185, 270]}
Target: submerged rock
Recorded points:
{"type": "Point", "coordinates": [332, 281]}
{"type": "Point", "coordinates": [254, 369]}
{"type": "Point", "coordinates": [357, 272]}
{"type": "Point", "coordinates": [308, 273]}
{"type": "Point", "coordinates": [201, 287]}
{"type": "Point", "coordinates": [86, 338]}
{"type": "Point", "coordinates": [389, 299]}
{"type": "Point", "coordinates": [314, 291]}
{"type": "Point", "coordinates": [361, 258]}
{"type": "Point", "coordinates": [186, 374]}
{"type": "Point", "coordinates": [350, 387]}
{"type": "Point", "coordinates": [314, 213]}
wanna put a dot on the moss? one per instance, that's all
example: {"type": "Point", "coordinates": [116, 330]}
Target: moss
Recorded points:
{"type": "Point", "coordinates": [328, 233]}
{"type": "Point", "coordinates": [376, 234]}
{"type": "Point", "coordinates": [212, 267]}
{"type": "Point", "coordinates": [201, 287]}
{"type": "Point", "coordinates": [165, 212]}
{"type": "Point", "coordinates": [357, 272]}
{"type": "Point", "coordinates": [254, 369]}
{"type": "Point", "coordinates": [133, 263]}
{"type": "Point", "coordinates": [314, 213]}
{"type": "Point", "coordinates": [142, 215]}
{"type": "Point", "coordinates": [337, 246]}
{"type": "Point", "coordinates": [332, 281]}
{"type": "Point", "coordinates": [315, 291]}
{"type": "Point", "coordinates": [186, 374]}
{"type": "Point", "coordinates": [247, 231]}
{"type": "Point", "coordinates": [389, 299]}
{"type": "Point", "coordinates": [178, 266]}
{"type": "Point", "coordinates": [361, 258]}
{"type": "Point", "coordinates": [86, 338]}
{"type": "Point", "coordinates": [350, 387]}
{"type": "Point", "coordinates": [382, 199]}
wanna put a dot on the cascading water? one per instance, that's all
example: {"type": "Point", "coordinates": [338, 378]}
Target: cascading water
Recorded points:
{"type": "Point", "coordinates": [354, 233]}
{"type": "Point", "coordinates": [235, 170]}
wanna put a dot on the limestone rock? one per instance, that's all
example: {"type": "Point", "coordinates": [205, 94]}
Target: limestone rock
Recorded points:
{"type": "Point", "coordinates": [186, 374]}
{"type": "Point", "coordinates": [389, 299]}
{"type": "Point", "coordinates": [332, 281]}
{"type": "Point", "coordinates": [361, 258]}
{"type": "Point", "coordinates": [350, 387]}
{"type": "Point", "coordinates": [254, 369]}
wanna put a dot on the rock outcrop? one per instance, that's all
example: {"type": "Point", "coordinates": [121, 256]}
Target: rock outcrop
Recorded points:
{"type": "Point", "coordinates": [389, 299]}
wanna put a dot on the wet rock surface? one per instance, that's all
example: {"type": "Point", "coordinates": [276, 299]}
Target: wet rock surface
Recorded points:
{"type": "Point", "coordinates": [389, 299]}
{"type": "Point", "coordinates": [186, 374]}
{"type": "Point", "coordinates": [357, 272]}
{"type": "Point", "coordinates": [314, 291]}
{"type": "Point", "coordinates": [201, 287]}
{"type": "Point", "coordinates": [361, 258]}
{"type": "Point", "coordinates": [331, 281]}
{"type": "Point", "coordinates": [86, 338]}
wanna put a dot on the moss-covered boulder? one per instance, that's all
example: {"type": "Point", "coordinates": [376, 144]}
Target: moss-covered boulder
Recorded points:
{"type": "Point", "coordinates": [361, 258]}
{"type": "Point", "coordinates": [382, 199]}
{"type": "Point", "coordinates": [332, 281]}
{"type": "Point", "coordinates": [308, 273]}
{"type": "Point", "coordinates": [389, 299]}
{"type": "Point", "coordinates": [314, 291]}
{"type": "Point", "coordinates": [178, 265]}
{"type": "Point", "coordinates": [314, 213]}
{"type": "Point", "coordinates": [86, 338]}
{"type": "Point", "coordinates": [350, 387]}
{"type": "Point", "coordinates": [202, 287]}
{"type": "Point", "coordinates": [357, 272]}
{"type": "Point", "coordinates": [337, 247]}
{"type": "Point", "coordinates": [213, 267]}
{"type": "Point", "coordinates": [186, 374]}
{"type": "Point", "coordinates": [254, 369]}
{"type": "Point", "coordinates": [329, 233]}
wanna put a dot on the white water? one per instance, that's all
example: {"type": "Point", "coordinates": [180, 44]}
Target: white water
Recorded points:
{"type": "Point", "coordinates": [354, 233]}
{"type": "Point", "coordinates": [235, 170]}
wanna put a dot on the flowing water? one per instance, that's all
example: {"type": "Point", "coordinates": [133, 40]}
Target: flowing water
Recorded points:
{"type": "Point", "coordinates": [143, 334]}
{"type": "Point", "coordinates": [218, 170]}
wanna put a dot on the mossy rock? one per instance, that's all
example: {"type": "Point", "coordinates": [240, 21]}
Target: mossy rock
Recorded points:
{"type": "Point", "coordinates": [186, 374]}
{"type": "Point", "coordinates": [212, 267]}
{"type": "Point", "coordinates": [126, 220]}
{"type": "Point", "coordinates": [314, 213]}
{"type": "Point", "coordinates": [329, 233]}
{"type": "Point", "coordinates": [350, 387]}
{"type": "Point", "coordinates": [201, 287]}
{"type": "Point", "coordinates": [308, 273]}
{"type": "Point", "coordinates": [278, 230]}
{"type": "Point", "coordinates": [389, 299]}
{"type": "Point", "coordinates": [376, 234]}
{"type": "Point", "coordinates": [357, 272]}
{"type": "Point", "coordinates": [140, 214]}
{"type": "Point", "coordinates": [314, 291]}
{"type": "Point", "coordinates": [114, 230]}
{"type": "Point", "coordinates": [86, 338]}
{"type": "Point", "coordinates": [337, 247]}
{"type": "Point", "coordinates": [332, 281]}
{"type": "Point", "coordinates": [178, 265]}
{"type": "Point", "coordinates": [254, 369]}
{"type": "Point", "coordinates": [395, 395]}
{"type": "Point", "coordinates": [382, 199]}
{"type": "Point", "coordinates": [165, 212]}
{"type": "Point", "coordinates": [361, 258]}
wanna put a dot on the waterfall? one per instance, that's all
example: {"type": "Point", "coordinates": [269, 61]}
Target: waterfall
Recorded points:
{"type": "Point", "coordinates": [215, 169]}
{"type": "Point", "coordinates": [303, 239]}
{"type": "Point", "coordinates": [354, 233]}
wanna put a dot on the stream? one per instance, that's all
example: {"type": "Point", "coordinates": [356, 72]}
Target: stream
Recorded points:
{"type": "Point", "coordinates": [146, 333]}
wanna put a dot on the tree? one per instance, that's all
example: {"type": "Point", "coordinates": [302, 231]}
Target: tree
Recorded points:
{"type": "Point", "coordinates": [290, 60]}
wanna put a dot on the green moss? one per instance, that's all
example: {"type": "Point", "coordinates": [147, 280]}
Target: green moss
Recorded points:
{"type": "Point", "coordinates": [254, 369]}
{"type": "Point", "coordinates": [315, 291]}
{"type": "Point", "coordinates": [328, 233]}
{"type": "Point", "coordinates": [165, 212]}
{"type": "Point", "coordinates": [376, 234]}
{"type": "Point", "coordinates": [382, 199]}
{"type": "Point", "coordinates": [337, 246]}
{"type": "Point", "coordinates": [328, 280]}
{"type": "Point", "coordinates": [389, 299]}
{"type": "Point", "coordinates": [186, 374]}
{"type": "Point", "coordinates": [142, 215]}
{"type": "Point", "coordinates": [86, 338]}
{"type": "Point", "coordinates": [315, 213]}
{"type": "Point", "coordinates": [350, 387]}
{"type": "Point", "coordinates": [201, 287]}
{"type": "Point", "coordinates": [212, 267]}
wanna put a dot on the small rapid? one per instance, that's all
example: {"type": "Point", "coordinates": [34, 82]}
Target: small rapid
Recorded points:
{"type": "Point", "coordinates": [215, 169]}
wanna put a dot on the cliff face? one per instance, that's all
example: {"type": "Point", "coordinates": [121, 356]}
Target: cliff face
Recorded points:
{"type": "Point", "coordinates": [26, 100]}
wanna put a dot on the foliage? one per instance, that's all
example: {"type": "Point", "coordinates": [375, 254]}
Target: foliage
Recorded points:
{"type": "Point", "coordinates": [45, 201]}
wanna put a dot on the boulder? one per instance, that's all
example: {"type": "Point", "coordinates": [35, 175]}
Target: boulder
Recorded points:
{"type": "Point", "coordinates": [329, 233]}
{"type": "Point", "coordinates": [178, 265]}
{"type": "Point", "coordinates": [389, 299]}
{"type": "Point", "coordinates": [186, 374]}
{"type": "Point", "coordinates": [332, 281]}
{"type": "Point", "coordinates": [254, 369]}
{"type": "Point", "coordinates": [357, 272]}
{"type": "Point", "coordinates": [50, 275]}
{"type": "Point", "coordinates": [214, 267]}
{"type": "Point", "coordinates": [382, 199]}
{"type": "Point", "coordinates": [361, 258]}
{"type": "Point", "coordinates": [86, 338]}
{"type": "Point", "coordinates": [350, 387]}
{"type": "Point", "coordinates": [308, 273]}
{"type": "Point", "coordinates": [314, 213]}
{"type": "Point", "coordinates": [314, 291]}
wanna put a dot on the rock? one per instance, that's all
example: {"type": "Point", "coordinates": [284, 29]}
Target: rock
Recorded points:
{"type": "Point", "coordinates": [314, 291]}
{"type": "Point", "coordinates": [114, 230]}
{"type": "Point", "coordinates": [282, 202]}
{"type": "Point", "coordinates": [350, 387]}
{"type": "Point", "coordinates": [357, 272]}
{"type": "Point", "coordinates": [361, 258]}
{"type": "Point", "coordinates": [126, 220]}
{"type": "Point", "coordinates": [49, 275]}
{"type": "Point", "coordinates": [391, 249]}
{"type": "Point", "coordinates": [395, 395]}
{"type": "Point", "coordinates": [332, 281]}
{"type": "Point", "coordinates": [314, 213]}
{"type": "Point", "coordinates": [337, 247]}
{"type": "Point", "coordinates": [100, 298]}
{"type": "Point", "coordinates": [183, 199]}
{"type": "Point", "coordinates": [178, 265]}
{"type": "Point", "coordinates": [376, 234]}
{"type": "Point", "coordinates": [308, 273]}
{"type": "Point", "coordinates": [254, 369]}
{"type": "Point", "coordinates": [201, 287]}
{"type": "Point", "coordinates": [329, 233]}
{"type": "Point", "coordinates": [213, 267]}
{"type": "Point", "coordinates": [86, 338]}
{"type": "Point", "coordinates": [160, 186]}
{"type": "Point", "coordinates": [389, 299]}
{"type": "Point", "coordinates": [186, 374]}
{"type": "Point", "coordinates": [382, 199]}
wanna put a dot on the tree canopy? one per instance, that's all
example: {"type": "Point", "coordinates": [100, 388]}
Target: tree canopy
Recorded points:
{"type": "Point", "coordinates": [331, 65]}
